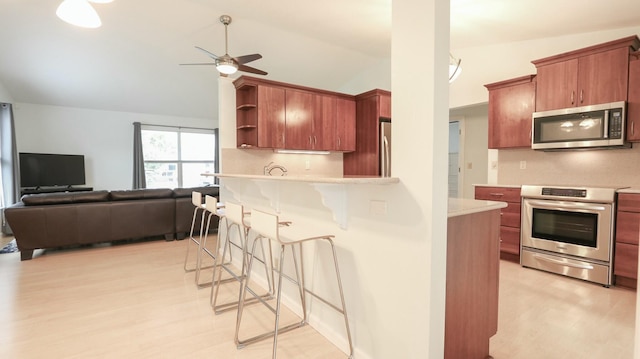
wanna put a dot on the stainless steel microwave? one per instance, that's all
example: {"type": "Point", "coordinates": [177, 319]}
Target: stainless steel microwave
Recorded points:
{"type": "Point", "coordinates": [595, 126]}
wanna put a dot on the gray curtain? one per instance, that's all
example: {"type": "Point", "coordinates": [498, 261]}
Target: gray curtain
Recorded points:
{"type": "Point", "coordinates": [139, 180]}
{"type": "Point", "coordinates": [8, 162]}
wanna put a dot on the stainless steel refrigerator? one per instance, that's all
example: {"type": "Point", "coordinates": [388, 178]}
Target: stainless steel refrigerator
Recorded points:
{"type": "Point", "coordinates": [385, 147]}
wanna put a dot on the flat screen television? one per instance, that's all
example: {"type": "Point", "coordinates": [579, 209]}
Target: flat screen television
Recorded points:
{"type": "Point", "coordinates": [45, 169]}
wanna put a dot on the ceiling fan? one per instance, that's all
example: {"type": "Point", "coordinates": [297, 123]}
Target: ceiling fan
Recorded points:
{"type": "Point", "coordinates": [226, 64]}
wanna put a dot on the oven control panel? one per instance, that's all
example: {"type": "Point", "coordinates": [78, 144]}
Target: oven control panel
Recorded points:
{"type": "Point", "coordinates": [564, 192]}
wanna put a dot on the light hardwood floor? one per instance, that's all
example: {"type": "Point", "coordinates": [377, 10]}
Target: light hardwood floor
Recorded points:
{"type": "Point", "coordinates": [134, 300]}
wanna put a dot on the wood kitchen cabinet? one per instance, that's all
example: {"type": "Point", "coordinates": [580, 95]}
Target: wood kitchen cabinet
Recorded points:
{"type": "Point", "coordinates": [633, 101]}
{"type": "Point", "coordinates": [299, 120]}
{"type": "Point", "coordinates": [370, 106]}
{"type": "Point", "coordinates": [277, 115]}
{"type": "Point", "coordinates": [260, 120]}
{"type": "Point", "coordinates": [625, 260]}
{"type": "Point", "coordinates": [589, 76]}
{"type": "Point", "coordinates": [511, 105]}
{"type": "Point", "coordinates": [509, 218]}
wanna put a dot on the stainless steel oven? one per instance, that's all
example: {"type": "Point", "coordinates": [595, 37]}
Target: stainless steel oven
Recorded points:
{"type": "Point", "coordinates": [569, 231]}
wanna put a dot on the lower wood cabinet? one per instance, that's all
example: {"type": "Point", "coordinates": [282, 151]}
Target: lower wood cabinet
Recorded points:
{"type": "Point", "coordinates": [509, 218]}
{"type": "Point", "coordinates": [625, 258]}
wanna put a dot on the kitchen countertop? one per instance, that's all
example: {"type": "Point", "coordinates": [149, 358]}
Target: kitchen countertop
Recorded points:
{"type": "Point", "coordinates": [330, 180]}
{"type": "Point", "coordinates": [497, 185]}
{"type": "Point", "coordinates": [629, 190]}
{"type": "Point", "coordinates": [463, 206]}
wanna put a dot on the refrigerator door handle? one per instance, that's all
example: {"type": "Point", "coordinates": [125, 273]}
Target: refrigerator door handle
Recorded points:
{"type": "Point", "coordinates": [386, 164]}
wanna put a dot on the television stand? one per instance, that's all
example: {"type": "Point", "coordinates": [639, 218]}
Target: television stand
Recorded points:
{"type": "Point", "coordinates": [37, 190]}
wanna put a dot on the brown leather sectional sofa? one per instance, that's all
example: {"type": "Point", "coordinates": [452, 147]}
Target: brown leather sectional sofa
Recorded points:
{"type": "Point", "coordinates": [55, 220]}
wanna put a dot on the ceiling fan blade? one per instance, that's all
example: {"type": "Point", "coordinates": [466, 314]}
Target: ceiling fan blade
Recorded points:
{"type": "Point", "coordinates": [199, 63]}
{"type": "Point", "coordinates": [253, 70]}
{"type": "Point", "coordinates": [210, 54]}
{"type": "Point", "coordinates": [247, 58]}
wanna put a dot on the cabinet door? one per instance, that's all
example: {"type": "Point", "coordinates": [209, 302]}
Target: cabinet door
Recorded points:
{"type": "Point", "coordinates": [628, 202]}
{"type": "Point", "coordinates": [510, 240]}
{"type": "Point", "coordinates": [299, 109]}
{"type": "Point", "coordinates": [345, 126]}
{"type": "Point", "coordinates": [627, 227]}
{"type": "Point", "coordinates": [510, 110]}
{"type": "Point", "coordinates": [633, 104]}
{"type": "Point", "coordinates": [557, 85]}
{"type": "Point", "coordinates": [626, 261]}
{"type": "Point", "coordinates": [271, 117]}
{"type": "Point", "coordinates": [324, 122]}
{"type": "Point", "coordinates": [385, 105]}
{"type": "Point", "coordinates": [603, 77]}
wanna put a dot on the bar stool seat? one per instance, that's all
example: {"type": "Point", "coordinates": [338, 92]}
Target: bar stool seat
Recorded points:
{"type": "Point", "coordinates": [266, 226]}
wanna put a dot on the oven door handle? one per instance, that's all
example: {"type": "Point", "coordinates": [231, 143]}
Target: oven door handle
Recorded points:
{"type": "Point", "coordinates": [564, 206]}
{"type": "Point", "coordinates": [557, 261]}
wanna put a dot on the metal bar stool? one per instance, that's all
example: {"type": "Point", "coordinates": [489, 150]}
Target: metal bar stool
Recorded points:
{"type": "Point", "coordinates": [196, 200]}
{"type": "Point", "coordinates": [213, 208]}
{"type": "Point", "coordinates": [236, 217]}
{"type": "Point", "coordinates": [266, 226]}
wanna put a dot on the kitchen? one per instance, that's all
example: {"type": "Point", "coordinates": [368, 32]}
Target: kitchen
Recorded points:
{"type": "Point", "coordinates": [499, 159]}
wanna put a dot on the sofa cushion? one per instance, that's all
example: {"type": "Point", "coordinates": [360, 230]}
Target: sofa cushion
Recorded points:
{"type": "Point", "coordinates": [65, 198]}
{"type": "Point", "coordinates": [141, 194]}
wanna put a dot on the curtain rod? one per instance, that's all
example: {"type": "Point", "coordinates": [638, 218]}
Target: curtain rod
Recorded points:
{"type": "Point", "coordinates": [178, 127]}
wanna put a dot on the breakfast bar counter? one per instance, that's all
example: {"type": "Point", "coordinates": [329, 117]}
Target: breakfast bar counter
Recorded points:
{"type": "Point", "coordinates": [370, 216]}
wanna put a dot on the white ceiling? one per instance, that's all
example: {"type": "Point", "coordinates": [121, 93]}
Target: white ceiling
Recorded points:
{"type": "Point", "coordinates": [131, 63]}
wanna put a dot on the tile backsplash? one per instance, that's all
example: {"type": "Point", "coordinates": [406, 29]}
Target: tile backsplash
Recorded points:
{"type": "Point", "coordinates": [605, 168]}
{"type": "Point", "coordinates": [253, 161]}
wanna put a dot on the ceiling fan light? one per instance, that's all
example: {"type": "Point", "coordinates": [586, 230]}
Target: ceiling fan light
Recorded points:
{"type": "Point", "coordinates": [226, 66]}
{"type": "Point", "coordinates": [79, 13]}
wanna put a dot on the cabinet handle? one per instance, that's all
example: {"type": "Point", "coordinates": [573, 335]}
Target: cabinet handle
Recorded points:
{"type": "Point", "coordinates": [632, 129]}
{"type": "Point", "coordinates": [496, 194]}
{"type": "Point", "coordinates": [315, 140]}
{"type": "Point", "coordinates": [581, 96]}
{"type": "Point", "coordinates": [572, 96]}
{"type": "Point", "coordinates": [310, 142]}
{"type": "Point", "coordinates": [339, 142]}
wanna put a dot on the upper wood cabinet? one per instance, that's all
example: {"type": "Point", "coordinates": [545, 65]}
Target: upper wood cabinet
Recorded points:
{"type": "Point", "coordinates": [370, 106]}
{"type": "Point", "coordinates": [276, 115]}
{"type": "Point", "coordinates": [633, 101]}
{"type": "Point", "coordinates": [511, 105]}
{"type": "Point", "coordinates": [299, 120]}
{"type": "Point", "coordinates": [589, 76]}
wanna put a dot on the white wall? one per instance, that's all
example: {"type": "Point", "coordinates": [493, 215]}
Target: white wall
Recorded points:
{"type": "Point", "coordinates": [105, 138]}
{"type": "Point", "coordinates": [4, 94]}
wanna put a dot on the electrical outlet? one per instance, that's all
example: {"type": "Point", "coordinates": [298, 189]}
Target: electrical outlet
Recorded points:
{"type": "Point", "coordinates": [523, 165]}
{"type": "Point", "coordinates": [469, 165]}
{"type": "Point", "coordinates": [307, 165]}
{"type": "Point", "coordinates": [378, 208]}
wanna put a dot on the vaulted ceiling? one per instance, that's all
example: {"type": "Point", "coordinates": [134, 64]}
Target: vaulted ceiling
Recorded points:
{"type": "Point", "coordinates": [131, 63]}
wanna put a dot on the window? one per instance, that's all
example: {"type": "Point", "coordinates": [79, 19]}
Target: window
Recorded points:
{"type": "Point", "coordinates": [176, 157]}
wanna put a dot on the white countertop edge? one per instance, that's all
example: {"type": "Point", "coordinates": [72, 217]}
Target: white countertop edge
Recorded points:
{"type": "Point", "coordinates": [629, 190]}
{"type": "Point", "coordinates": [463, 206]}
{"type": "Point", "coordinates": [334, 180]}
{"type": "Point", "coordinates": [497, 185]}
